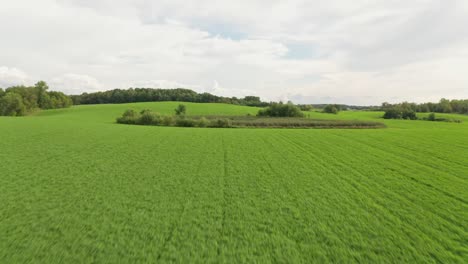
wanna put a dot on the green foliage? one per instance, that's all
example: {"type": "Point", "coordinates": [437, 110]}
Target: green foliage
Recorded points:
{"type": "Point", "coordinates": [331, 109]}
{"type": "Point", "coordinates": [443, 106]}
{"type": "Point", "coordinates": [401, 111]}
{"type": "Point", "coordinates": [305, 107]}
{"type": "Point", "coordinates": [180, 110]}
{"type": "Point", "coordinates": [281, 110]}
{"type": "Point", "coordinates": [38, 97]}
{"type": "Point", "coordinates": [185, 122]}
{"type": "Point", "coordinates": [11, 104]}
{"type": "Point", "coordinates": [220, 122]}
{"type": "Point", "coordinates": [157, 95]}
{"type": "Point", "coordinates": [148, 117]}
{"type": "Point", "coordinates": [203, 122]}
{"type": "Point", "coordinates": [168, 121]}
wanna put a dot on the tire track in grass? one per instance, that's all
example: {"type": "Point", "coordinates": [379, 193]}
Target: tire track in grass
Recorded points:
{"type": "Point", "coordinates": [403, 152]}
{"type": "Point", "coordinates": [223, 191]}
{"type": "Point", "coordinates": [174, 226]}
{"type": "Point", "coordinates": [383, 188]}
{"type": "Point", "coordinates": [295, 198]}
{"type": "Point", "coordinates": [383, 207]}
{"type": "Point", "coordinates": [422, 166]}
{"type": "Point", "coordinates": [342, 196]}
{"type": "Point", "coordinates": [424, 233]}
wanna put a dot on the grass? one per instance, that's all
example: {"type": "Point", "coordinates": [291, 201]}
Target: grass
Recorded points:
{"type": "Point", "coordinates": [76, 187]}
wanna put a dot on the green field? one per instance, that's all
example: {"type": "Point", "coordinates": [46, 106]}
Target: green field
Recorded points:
{"type": "Point", "coordinates": [77, 188]}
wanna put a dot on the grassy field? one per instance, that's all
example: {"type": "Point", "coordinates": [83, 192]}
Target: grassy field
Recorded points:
{"type": "Point", "coordinates": [76, 187]}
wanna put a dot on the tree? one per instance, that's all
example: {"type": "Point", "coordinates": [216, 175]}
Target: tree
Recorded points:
{"type": "Point", "coordinates": [11, 104]}
{"type": "Point", "coordinates": [180, 110]}
{"type": "Point", "coordinates": [43, 98]}
{"type": "Point", "coordinates": [2, 93]}
{"type": "Point", "coordinates": [331, 109]}
{"type": "Point", "coordinates": [281, 110]}
{"type": "Point", "coordinates": [392, 113]}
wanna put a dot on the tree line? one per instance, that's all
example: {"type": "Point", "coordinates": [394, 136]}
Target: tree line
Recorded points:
{"type": "Point", "coordinates": [132, 95]}
{"type": "Point", "coordinates": [21, 100]}
{"type": "Point", "coordinates": [443, 106]}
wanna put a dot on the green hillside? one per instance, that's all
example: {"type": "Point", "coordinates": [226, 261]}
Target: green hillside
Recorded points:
{"type": "Point", "coordinates": [77, 187]}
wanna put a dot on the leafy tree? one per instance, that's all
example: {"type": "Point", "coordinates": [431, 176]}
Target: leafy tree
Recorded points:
{"type": "Point", "coordinates": [281, 110]}
{"type": "Point", "coordinates": [2, 93]}
{"type": "Point", "coordinates": [35, 97]}
{"type": "Point", "coordinates": [11, 104]}
{"type": "Point", "coordinates": [180, 110]}
{"type": "Point", "coordinates": [43, 98]}
{"type": "Point", "coordinates": [392, 113]}
{"type": "Point", "coordinates": [331, 109]}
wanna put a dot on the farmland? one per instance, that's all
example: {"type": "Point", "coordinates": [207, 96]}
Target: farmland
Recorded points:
{"type": "Point", "coordinates": [76, 187]}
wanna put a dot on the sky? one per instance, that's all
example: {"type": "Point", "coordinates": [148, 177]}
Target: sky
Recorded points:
{"type": "Point", "coordinates": [361, 52]}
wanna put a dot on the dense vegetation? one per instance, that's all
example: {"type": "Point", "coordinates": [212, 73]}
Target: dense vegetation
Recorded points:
{"type": "Point", "coordinates": [148, 117]}
{"type": "Point", "coordinates": [131, 95]}
{"type": "Point", "coordinates": [443, 106]}
{"type": "Point", "coordinates": [281, 110]}
{"type": "Point", "coordinates": [331, 109]}
{"type": "Point", "coordinates": [21, 100]}
{"type": "Point", "coordinates": [405, 111]}
{"type": "Point", "coordinates": [75, 187]}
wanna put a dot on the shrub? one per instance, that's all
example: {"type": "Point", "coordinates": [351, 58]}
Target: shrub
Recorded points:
{"type": "Point", "coordinates": [149, 117]}
{"type": "Point", "coordinates": [392, 113]}
{"type": "Point", "coordinates": [221, 122]}
{"type": "Point", "coordinates": [11, 104]}
{"type": "Point", "coordinates": [281, 110]}
{"type": "Point", "coordinates": [203, 122]}
{"type": "Point", "coordinates": [180, 110]}
{"type": "Point", "coordinates": [431, 117]}
{"type": "Point", "coordinates": [168, 121]}
{"type": "Point", "coordinates": [408, 114]}
{"type": "Point", "coordinates": [183, 122]}
{"type": "Point", "coordinates": [331, 109]}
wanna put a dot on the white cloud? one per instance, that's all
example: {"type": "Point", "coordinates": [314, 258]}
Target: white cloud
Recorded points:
{"type": "Point", "coordinates": [75, 84]}
{"type": "Point", "coordinates": [164, 84]}
{"type": "Point", "coordinates": [364, 51]}
{"type": "Point", "coordinates": [12, 76]}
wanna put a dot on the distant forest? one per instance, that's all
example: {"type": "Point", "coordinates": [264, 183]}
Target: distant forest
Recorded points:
{"type": "Point", "coordinates": [443, 106]}
{"type": "Point", "coordinates": [132, 95]}
{"type": "Point", "coordinates": [22, 100]}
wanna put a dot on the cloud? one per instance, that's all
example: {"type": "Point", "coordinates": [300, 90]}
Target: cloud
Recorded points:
{"type": "Point", "coordinates": [366, 50]}
{"type": "Point", "coordinates": [75, 84]}
{"type": "Point", "coordinates": [164, 84]}
{"type": "Point", "coordinates": [12, 76]}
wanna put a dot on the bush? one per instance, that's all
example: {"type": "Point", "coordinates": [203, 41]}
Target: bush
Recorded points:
{"type": "Point", "coordinates": [168, 121]}
{"type": "Point", "coordinates": [221, 122]}
{"type": "Point", "coordinates": [431, 117]}
{"type": "Point", "coordinates": [203, 122]}
{"type": "Point", "coordinates": [408, 114]}
{"type": "Point", "coordinates": [400, 113]}
{"type": "Point", "coordinates": [392, 113]}
{"type": "Point", "coordinates": [11, 104]}
{"type": "Point", "coordinates": [281, 110]}
{"type": "Point", "coordinates": [180, 110]}
{"type": "Point", "coordinates": [331, 109]}
{"type": "Point", "coordinates": [183, 122]}
{"type": "Point", "coordinates": [149, 117]}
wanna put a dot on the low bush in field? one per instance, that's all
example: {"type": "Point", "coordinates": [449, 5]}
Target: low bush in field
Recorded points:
{"type": "Point", "coordinates": [281, 110]}
{"type": "Point", "coordinates": [147, 117]}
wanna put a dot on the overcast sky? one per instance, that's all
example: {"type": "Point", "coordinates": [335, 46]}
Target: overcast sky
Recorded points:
{"type": "Point", "coordinates": [355, 52]}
